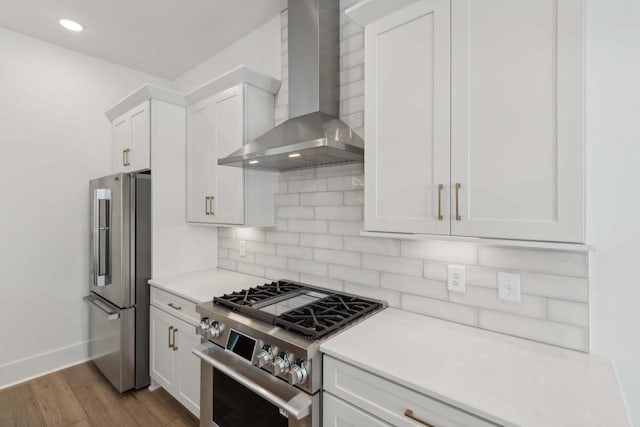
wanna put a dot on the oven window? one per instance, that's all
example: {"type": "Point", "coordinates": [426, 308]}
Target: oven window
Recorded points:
{"type": "Point", "coordinates": [236, 406]}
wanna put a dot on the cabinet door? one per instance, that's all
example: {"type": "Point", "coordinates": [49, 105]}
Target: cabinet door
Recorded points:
{"type": "Point", "coordinates": [517, 127]}
{"type": "Point", "coordinates": [200, 156]}
{"type": "Point", "coordinates": [407, 120]}
{"type": "Point", "coordinates": [120, 133]}
{"type": "Point", "coordinates": [228, 136]}
{"type": "Point", "coordinates": [139, 156]}
{"type": "Point", "coordinates": [162, 368]}
{"type": "Point", "coordinates": [188, 367]}
{"type": "Point", "coordinates": [336, 413]}
{"type": "Point", "coordinates": [131, 140]}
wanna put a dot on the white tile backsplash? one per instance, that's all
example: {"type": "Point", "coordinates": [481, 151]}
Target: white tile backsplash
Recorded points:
{"type": "Point", "coordinates": [574, 313]}
{"type": "Point", "coordinates": [330, 256]}
{"type": "Point", "coordinates": [568, 263]}
{"type": "Point", "coordinates": [372, 245]}
{"type": "Point", "coordinates": [415, 285]}
{"type": "Point", "coordinates": [441, 309]}
{"type": "Point", "coordinates": [535, 329]}
{"type": "Point", "coordinates": [317, 241]}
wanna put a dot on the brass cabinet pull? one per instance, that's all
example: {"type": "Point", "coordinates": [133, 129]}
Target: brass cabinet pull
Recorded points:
{"type": "Point", "coordinates": [175, 347]}
{"type": "Point", "coordinates": [175, 307]}
{"type": "Point", "coordinates": [170, 329]}
{"type": "Point", "coordinates": [211, 205]}
{"type": "Point", "coordinates": [440, 187]}
{"type": "Point", "coordinates": [458, 217]}
{"type": "Point", "coordinates": [409, 414]}
{"type": "Point", "coordinates": [124, 157]}
{"type": "Point", "coordinates": [206, 205]}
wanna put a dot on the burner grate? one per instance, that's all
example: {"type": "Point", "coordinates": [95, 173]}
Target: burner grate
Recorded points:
{"type": "Point", "coordinates": [313, 320]}
{"type": "Point", "coordinates": [250, 297]}
{"type": "Point", "coordinates": [319, 318]}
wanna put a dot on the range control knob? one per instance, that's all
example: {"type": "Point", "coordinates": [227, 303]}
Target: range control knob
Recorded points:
{"type": "Point", "coordinates": [214, 331]}
{"type": "Point", "coordinates": [298, 373]}
{"type": "Point", "coordinates": [281, 364]}
{"type": "Point", "coordinates": [265, 356]}
{"type": "Point", "coordinates": [209, 329]}
{"type": "Point", "coordinates": [205, 324]}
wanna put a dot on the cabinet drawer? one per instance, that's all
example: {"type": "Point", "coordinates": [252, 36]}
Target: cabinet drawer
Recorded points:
{"type": "Point", "coordinates": [179, 307]}
{"type": "Point", "coordinates": [337, 413]}
{"type": "Point", "coordinates": [390, 401]}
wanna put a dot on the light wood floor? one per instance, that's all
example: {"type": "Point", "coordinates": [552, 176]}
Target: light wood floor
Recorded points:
{"type": "Point", "coordinates": [81, 397]}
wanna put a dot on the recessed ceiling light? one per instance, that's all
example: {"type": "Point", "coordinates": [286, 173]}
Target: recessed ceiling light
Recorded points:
{"type": "Point", "coordinates": [253, 162]}
{"type": "Point", "coordinates": [294, 155]}
{"type": "Point", "coordinates": [71, 25]}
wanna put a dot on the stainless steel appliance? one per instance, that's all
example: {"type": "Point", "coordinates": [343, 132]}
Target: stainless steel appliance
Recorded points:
{"type": "Point", "coordinates": [260, 359]}
{"type": "Point", "coordinates": [120, 265]}
{"type": "Point", "coordinates": [314, 135]}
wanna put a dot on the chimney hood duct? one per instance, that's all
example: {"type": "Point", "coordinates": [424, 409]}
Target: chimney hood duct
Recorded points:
{"type": "Point", "coordinates": [314, 135]}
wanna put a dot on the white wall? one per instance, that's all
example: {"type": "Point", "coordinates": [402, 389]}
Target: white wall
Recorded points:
{"type": "Point", "coordinates": [613, 150]}
{"type": "Point", "coordinates": [258, 50]}
{"type": "Point", "coordinates": [54, 138]}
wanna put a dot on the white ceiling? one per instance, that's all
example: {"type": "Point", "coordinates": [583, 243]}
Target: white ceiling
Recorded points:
{"type": "Point", "coordinates": [160, 37]}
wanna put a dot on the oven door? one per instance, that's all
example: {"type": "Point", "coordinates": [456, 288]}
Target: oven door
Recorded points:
{"type": "Point", "coordinates": [235, 393]}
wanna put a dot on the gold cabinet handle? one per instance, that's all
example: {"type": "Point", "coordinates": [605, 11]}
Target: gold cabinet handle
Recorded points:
{"type": "Point", "coordinates": [124, 157]}
{"type": "Point", "coordinates": [175, 347]}
{"type": "Point", "coordinates": [206, 205]}
{"type": "Point", "coordinates": [170, 329]}
{"type": "Point", "coordinates": [409, 414]}
{"type": "Point", "coordinates": [440, 187]}
{"type": "Point", "coordinates": [211, 205]}
{"type": "Point", "coordinates": [458, 217]}
{"type": "Point", "coordinates": [175, 307]}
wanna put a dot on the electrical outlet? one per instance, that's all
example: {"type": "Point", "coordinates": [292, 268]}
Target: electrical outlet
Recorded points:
{"type": "Point", "coordinates": [509, 287]}
{"type": "Point", "coordinates": [457, 278]}
{"type": "Point", "coordinates": [243, 248]}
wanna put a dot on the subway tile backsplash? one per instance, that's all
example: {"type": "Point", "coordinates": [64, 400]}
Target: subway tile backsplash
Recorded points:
{"type": "Point", "coordinates": [317, 241]}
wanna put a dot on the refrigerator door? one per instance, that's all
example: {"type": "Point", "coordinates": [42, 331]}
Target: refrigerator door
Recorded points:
{"type": "Point", "coordinates": [110, 241]}
{"type": "Point", "coordinates": [111, 344]}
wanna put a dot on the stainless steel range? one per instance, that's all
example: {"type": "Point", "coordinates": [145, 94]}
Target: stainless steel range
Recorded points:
{"type": "Point", "coordinates": [260, 359]}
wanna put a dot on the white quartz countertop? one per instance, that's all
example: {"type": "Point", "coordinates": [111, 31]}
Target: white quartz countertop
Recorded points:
{"type": "Point", "coordinates": [505, 379]}
{"type": "Point", "coordinates": [202, 286]}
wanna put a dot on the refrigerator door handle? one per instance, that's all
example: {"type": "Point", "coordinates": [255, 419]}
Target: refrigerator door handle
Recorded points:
{"type": "Point", "coordinates": [102, 237]}
{"type": "Point", "coordinates": [111, 314]}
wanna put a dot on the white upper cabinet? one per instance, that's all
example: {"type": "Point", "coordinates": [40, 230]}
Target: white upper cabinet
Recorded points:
{"type": "Point", "coordinates": [517, 119]}
{"type": "Point", "coordinates": [131, 140]}
{"type": "Point", "coordinates": [407, 120]}
{"type": "Point", "coordinates": [483, 97]}
{"type": "Point", "coordinates": [216, 127]}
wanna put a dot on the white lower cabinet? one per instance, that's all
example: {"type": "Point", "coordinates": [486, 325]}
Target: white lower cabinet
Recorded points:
{"type": "Point", "coordinates": [367, 399]}
{"type": "Point", "coordinates": [336, 413]}
{"type": "Point", "coordinates": [172, 365]}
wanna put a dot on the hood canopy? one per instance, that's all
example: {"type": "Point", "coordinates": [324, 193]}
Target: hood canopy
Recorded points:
{"type": "Point", "coordinates": [314, 135]}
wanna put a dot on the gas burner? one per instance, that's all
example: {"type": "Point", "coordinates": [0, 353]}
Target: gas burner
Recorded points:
{"type": "Point", "coordinates": [252, 296]}
{"type": "Point", "coordinates": [306, 310]}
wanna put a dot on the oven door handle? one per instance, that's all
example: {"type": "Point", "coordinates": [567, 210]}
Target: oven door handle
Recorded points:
{"type": "Point", "coordinates": [286, 397]}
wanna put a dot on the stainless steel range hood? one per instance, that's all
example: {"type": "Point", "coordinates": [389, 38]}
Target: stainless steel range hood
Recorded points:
{"type": "Point", "coordinates": [314, 135]}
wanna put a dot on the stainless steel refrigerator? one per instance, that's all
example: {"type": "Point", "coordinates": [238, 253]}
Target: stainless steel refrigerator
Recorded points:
{"type": "Point", "coordinates": [120, 265]}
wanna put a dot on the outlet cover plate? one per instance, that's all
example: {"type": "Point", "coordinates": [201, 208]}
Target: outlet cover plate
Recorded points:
{"type": "Point", "coordinates": [243, 248]}
{"type": "Point", "coordinates": [457, 278]}
{"type": "Point", "coordinates": [509, 287]}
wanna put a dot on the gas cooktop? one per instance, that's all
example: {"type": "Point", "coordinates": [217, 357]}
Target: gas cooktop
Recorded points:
{"type": "Point", "coordinates": [307, 310]}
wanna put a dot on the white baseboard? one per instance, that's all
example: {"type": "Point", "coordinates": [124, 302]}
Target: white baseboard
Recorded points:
{"type": "Point", "coordinates": [31, 367]}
